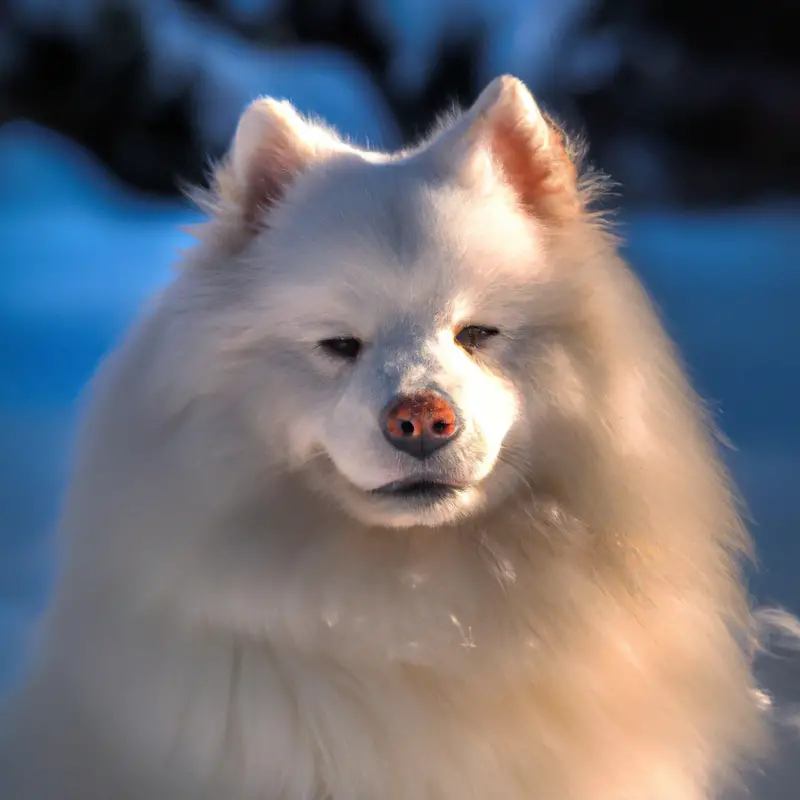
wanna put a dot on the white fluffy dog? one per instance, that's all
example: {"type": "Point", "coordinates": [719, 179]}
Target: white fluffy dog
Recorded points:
{"type": "Point", "coordinates": [397, 493]}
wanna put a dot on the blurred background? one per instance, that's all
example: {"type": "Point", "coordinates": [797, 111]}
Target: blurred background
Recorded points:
{"type": "Point", "coordinates": [108, 106]}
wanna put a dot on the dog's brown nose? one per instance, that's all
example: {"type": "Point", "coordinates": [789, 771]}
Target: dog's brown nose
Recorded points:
{"type": "Point", "coordinates": [420, 423]}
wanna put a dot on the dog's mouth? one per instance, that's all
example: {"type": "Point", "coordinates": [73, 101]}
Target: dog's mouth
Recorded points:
{"type": "Point", "coordinates": [419, 490]}
{"type": "Point", "coordinates": [427, 501]}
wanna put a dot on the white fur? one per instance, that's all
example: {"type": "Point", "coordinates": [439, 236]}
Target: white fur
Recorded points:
{"type": "Point", "coordinates": [238, 619]}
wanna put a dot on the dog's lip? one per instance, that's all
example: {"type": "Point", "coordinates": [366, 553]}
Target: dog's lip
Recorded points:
{"type": "Point", "coordinates": [419, 487]}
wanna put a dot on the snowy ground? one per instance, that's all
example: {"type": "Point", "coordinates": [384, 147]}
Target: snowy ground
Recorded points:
{"type": "Point", "coordinates": [78, 256]}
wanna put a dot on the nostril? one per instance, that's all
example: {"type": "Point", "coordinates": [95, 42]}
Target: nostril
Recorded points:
{"type": "Point", "coordinates": [440, 426]}
{"type": "Point", "coordinates": [407, 428]}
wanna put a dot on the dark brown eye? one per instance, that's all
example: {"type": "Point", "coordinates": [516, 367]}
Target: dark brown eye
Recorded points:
{"type": "Point", "coordinates": [473, 337]}
{"type": "Point", "coordinates": [344, 347]}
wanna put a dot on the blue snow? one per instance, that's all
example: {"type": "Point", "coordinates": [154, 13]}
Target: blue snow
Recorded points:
{"type": "Point", "coordinates": [228, 72]}
{"type": "Point", "coordinates": [78, 257]}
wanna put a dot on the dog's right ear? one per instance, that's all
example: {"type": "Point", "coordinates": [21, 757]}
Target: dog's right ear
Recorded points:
{"type": "Point", "coordinates": [506, 133]}
{"type": "Point", "coordinates": [273, 145]}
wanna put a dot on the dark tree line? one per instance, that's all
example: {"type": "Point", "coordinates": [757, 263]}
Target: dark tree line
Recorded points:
{"type": "Point", "coordinates": [692, 102]}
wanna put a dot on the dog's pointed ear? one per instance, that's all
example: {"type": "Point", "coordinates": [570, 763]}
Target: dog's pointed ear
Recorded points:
{"type": "Point", "coordinates": [505, 133]}
{"type": "Point", "coordinates": [273, 145]}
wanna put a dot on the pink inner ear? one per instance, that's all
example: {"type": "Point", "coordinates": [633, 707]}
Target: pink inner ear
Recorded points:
{"type": "Point", "coordinates": [543, 177]}
{"type": "Point", "coordinates": [263, 192]}
{"type": "Point", "coordinates": [272, 171]}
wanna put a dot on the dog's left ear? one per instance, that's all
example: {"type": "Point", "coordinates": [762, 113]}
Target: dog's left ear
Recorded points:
{"type": "Point", "coordinates": [272, 147]}
{"type": "Point", "coordinates": [506, 133]}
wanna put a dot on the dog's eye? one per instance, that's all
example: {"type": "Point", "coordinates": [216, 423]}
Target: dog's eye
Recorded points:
{"type": "Point", "coordinates": [473, 337]}
{"type": "Point", "coordinates": [345, 347]}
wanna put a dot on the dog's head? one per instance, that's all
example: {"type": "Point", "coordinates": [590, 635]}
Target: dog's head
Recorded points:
{"type": "Point", "coordinates": [403, 314]}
